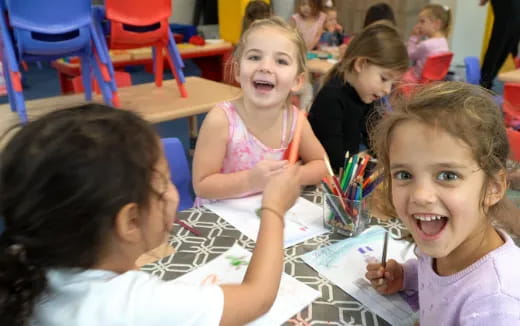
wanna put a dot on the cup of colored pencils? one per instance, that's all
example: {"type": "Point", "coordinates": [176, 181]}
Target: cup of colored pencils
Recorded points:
{"type": "Point", "coordinates": [344, 205]}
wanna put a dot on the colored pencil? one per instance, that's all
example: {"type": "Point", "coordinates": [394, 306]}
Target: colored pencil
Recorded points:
{"type": "Point", "coordinates": [385, 248]}
{"type": "Point", "coordinates": [295, 144]}
{"type": "Point", "coordinates": [188, 227]}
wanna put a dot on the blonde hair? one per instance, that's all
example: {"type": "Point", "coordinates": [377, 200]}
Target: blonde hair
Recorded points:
{"type": "Point", "coordinates": [276, 23]}
{"type": "Point", "coordinates": [442, 13]}
{"type": "Point", "coordinates": [380, 44]}
{"type": "Point", "coordinates": [467, 112]}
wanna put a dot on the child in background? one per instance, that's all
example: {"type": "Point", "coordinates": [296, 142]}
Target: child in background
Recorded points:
{"type": "Point", "coordinates": [443, 155]}
{"type": "Point", "coordinates": [372, 62]}
{"type": "Point", "coordinates": [309, 20]}
{"type": "Point", "coordinates": [379, 12]}
{"type": "Point", "coordinates": [256, 9]}
{"type": "Point", "coordinates": [84, 192]}
{"type": "Point", "coordinates": [428, 38]}
{"type": "Point", "coordinates": [332, 31]}
{"type": "Point", "coordinates": [242, 144]}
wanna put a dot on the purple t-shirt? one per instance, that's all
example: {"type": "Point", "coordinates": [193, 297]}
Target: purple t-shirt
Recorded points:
{"type": "Point", "coordinates": [485, 293]}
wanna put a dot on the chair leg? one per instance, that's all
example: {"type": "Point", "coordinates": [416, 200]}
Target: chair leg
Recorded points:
{"type": "Point", "coordinates": [177, 56]}
{"type": "Point", "coordinates": [101, 48]}
{"type": "Point", "coordinates": [104, 87]}
{"type": "Point", "coordinates": [8, 84]}
{"type": "Point", "coordinates": [180, 84]}
{"type": "Point", "coordinates": [86, 77]}
{"type": "Point", "coordinates": [159, 65]}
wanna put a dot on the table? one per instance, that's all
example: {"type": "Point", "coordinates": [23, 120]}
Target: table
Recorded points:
{"type": "Point", "coordinates": [155, 104]}
{"type": "Point", "coordinates": [211, 58]}
{"type": "Point", "coordinates": [512, 76]}
{"type": "Point", "coordinates": [319, 66]}
{"type": "Point", "coordinates": [335, 307]}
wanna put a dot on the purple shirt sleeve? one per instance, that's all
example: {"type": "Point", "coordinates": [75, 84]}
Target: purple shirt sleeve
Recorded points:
{"type": "Point", "coordinates": [496, 310]}
{"type": "Point", "coordinates": [416, 49]}
{"type": "Point", "coordinates": [410, 277]}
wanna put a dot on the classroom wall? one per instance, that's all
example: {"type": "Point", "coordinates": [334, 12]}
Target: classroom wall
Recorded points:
{"type": "Point", "coordinates": [182, 11]}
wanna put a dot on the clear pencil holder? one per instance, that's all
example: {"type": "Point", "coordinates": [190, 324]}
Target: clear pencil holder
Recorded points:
{"type": "Point", "coordinates": [344, 216]}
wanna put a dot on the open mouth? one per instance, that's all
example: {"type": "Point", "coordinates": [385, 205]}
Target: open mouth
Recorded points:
{"type": "Point", "coordinates": [262, 85]}
{"type": "Point", "coordinates": [430, 225]}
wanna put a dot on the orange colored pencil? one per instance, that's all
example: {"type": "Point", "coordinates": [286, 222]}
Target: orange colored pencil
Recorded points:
{"type": "Point", "coordinates": [295, 144]}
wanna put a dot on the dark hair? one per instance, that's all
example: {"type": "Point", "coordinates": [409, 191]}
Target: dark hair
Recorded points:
{"type": "Point", "coordinates": [377, 12]}
{"type": "Point", "coordinates": [256, 9]}
{"type": "Point", "coordinates": [466, 112]}
{"type": "Point", "coordinates": [380, 44]}
{"type": "Point", "coordinates": [63, 179]}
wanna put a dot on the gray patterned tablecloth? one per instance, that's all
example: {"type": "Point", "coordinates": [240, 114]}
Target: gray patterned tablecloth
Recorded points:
{"type": "Point", "coordinates": [334, 307]}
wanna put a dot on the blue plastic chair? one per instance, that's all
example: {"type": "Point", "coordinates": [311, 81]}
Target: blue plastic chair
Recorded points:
{"type": "Point", "coordinates": [472, 70]}
{"type": "Point", "coordinates": [48, 30]}
{"type": "Point", "coordinates": [179, 170]}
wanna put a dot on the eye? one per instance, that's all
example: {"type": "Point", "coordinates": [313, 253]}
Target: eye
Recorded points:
{"type": "Point", "coordinates": [402, 175]}
{"type": "Point", "coordinates": [253, 57]}
{"type": "Point", "coordinates": [384, 79]}
{"type": "Point", "coordinates": [447, 176]}
{"type": "Point", "coordinates": [283, 62]}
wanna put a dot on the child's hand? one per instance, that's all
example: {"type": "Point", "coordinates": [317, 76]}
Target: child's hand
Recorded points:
{"type": "Point", "coordinates": [416, 30]}
{"type": "Point", "coordinates": [282, 190]}
{"type": "Point", "coordinates": [263, 170]}
{"type": "Point", "coordinates": [392, 282]}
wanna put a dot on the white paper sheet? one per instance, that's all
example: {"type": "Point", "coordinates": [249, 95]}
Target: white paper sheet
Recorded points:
{"type": "Point", "coordinates": [344, 264]}
{"type": "Point", "coordinates": [303, 221]}
{"type": "Point", "coordinates": [230, 268]}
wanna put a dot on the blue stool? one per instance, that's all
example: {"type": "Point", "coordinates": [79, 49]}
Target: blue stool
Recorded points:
{"type": "Point", "coordinates": [179, 170]}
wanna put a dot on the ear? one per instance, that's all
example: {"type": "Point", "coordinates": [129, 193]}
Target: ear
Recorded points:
{"type": "Point", "coordinates": [127, 224]}
{"type": "Point", "coordinates": [496, 189]}
{"type": "Point", "coordinates": [359, 64]}
{"type": "Point", "coordinates": [298, 82]}
{"type": "Point", "coordinates": [236, 71]}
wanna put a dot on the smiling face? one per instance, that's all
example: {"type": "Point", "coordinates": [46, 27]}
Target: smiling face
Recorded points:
{"type": "Point", "coordinates": [268, 68]}
{"type": "Point", "coordinates": [372, 82]}
{"type": "Point", "coordinates": [436, 189]}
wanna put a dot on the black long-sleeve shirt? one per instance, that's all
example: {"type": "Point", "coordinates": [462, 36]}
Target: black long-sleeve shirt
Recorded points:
{"type": "Point", "coordinates": [339, 119]}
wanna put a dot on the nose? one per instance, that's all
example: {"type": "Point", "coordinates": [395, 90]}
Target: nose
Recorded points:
{"type": "Point", "coordinates": [423, 193]}
{"type": "Point", "coordinates": [387, 88]}
{"type": "Point", "coordinates": [266, 65]}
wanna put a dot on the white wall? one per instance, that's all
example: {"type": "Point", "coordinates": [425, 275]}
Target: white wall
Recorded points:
{"type": "Point", "coordinates": [182, 11]}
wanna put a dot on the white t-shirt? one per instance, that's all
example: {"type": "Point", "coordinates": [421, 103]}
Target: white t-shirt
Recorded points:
{"type": "Point", "coordinates": [98, 297]}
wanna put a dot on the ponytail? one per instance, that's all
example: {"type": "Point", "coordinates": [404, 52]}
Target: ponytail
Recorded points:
{"type": "Point", "coordinates": [21, 283]}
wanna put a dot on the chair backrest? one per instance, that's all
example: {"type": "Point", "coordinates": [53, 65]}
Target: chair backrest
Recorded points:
{"type": "Point", "coordinates": [436, 67]}
{"type": "Point", "coordinates": [514, 143]}
{"type": "Point", "coordinates": [179, 170]}
{"type": "Point", "coordinates": [512, 95]}
{"type": "Point", "coordinates": [138, 12]}
{"type": "Point", "coordinates": [49, 16]}
{"type": "Point", "coordinates": [472, 70]}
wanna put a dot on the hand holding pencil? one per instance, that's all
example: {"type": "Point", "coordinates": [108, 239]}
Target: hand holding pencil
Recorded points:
{"type": "Point", "coordinates": [385, 279]}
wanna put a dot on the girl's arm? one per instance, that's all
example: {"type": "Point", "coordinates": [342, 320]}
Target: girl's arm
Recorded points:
{"type": "Point", "coordinates": [415, 48]}
{"type": "Point", "coordinates": [311, 152]}
{"type": "Point", "coordinates": [255, 296]}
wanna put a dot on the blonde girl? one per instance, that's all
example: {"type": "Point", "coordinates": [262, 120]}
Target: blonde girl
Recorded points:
{"type": "Point", "coordinates": [373, 61]}
{"type": "Point", "coordinates": [428, 38]}
{"type": "Point", "coordinates": [443, 154]}
{"type": "Point", "coordinates": [242, 143]}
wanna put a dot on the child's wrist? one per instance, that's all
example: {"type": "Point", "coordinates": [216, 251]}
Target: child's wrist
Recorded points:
{"type": "Point", "coordinates": [274, 212]}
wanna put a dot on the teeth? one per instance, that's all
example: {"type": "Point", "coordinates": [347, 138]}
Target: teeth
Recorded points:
{"type": "Point", "coordinates": [428, 218]}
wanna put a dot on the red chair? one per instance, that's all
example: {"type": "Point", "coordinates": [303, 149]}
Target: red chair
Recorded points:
{"type": "Point", "coordinates": [122, 79]}
{"type": "Point", "coordinates": [436, 67]}
{"type": "Point", "coordinates": [138, 23]}
{"type": "Point", "coordinates": [511, 106]}
{"type": "Point", "coordinates": [514, 143]}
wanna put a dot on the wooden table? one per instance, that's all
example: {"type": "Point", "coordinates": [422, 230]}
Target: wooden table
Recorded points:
{"type": "Point", "coordinates": [211, 58]}
{"type": "Point", "coordinates": [155, 104]}
{"type": "Point", "coordinates": [512, 76]}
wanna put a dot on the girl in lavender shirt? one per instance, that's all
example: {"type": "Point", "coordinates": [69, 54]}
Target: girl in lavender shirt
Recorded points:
{"type": "Point", "coordinates": [428, 38]}
{"type": "Point", "coordinates": [443, 154]}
